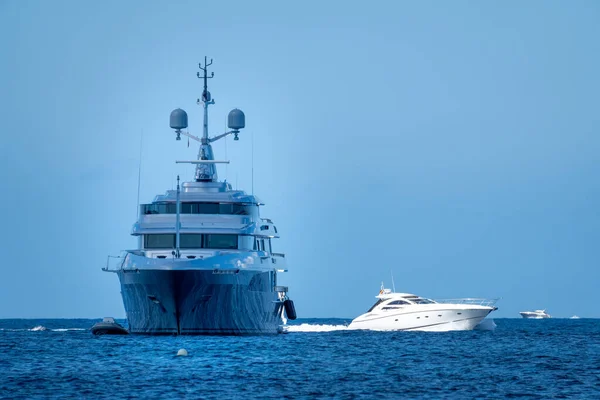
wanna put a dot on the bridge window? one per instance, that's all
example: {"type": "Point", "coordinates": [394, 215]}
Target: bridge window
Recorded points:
{"type": "Point", "coordinates": [186, 208]}
{"type": "Point", "coordinates": [208, 208]}
{"type": "Point", "coordinates": [191, 241]}
{"type": "Point", "coordinates": [195, 208]}
{"type": "Point", "coordinates": [234, 209]}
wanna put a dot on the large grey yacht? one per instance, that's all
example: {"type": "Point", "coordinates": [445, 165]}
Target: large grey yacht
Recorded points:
{"type": "Point", "coordinates": [205, 262]}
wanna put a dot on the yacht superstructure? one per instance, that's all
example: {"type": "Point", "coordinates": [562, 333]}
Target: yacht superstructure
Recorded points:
{"type": "Point", "coordinates": [405, 311]}
{"type": "Point", "coordinates": [205, 262]}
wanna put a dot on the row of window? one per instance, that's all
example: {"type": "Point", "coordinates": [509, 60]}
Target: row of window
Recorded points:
{"type": "Point", "coordinates": [414, 299]}
{"type": "Point", "coordinates": [201, 241]}
{"type": "Point", "coordinates": [195, 208]}
{"type": "Point", "coordinates": [191, 241]}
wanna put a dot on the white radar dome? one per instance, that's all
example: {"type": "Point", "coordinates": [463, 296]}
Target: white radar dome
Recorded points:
{"type": "Point", "coordinates": [236, 119]}
{"type": "Point", "coordinates": [179, 119]}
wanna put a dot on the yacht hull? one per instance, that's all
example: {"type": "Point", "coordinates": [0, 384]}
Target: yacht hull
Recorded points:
{"type": "Point", "coordinates": [433, 320]}
{"type": "Point", "coordinates": [200, 302]}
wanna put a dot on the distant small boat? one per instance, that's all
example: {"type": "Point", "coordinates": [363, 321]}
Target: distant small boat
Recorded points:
{"type": "Point", "coordinates": [38, 328]}
{"type": "Point", "coordinates": [108, 326]}
{"type": "Point", "coordinates": [537, 314]}
{"type": "Point", "coordinates": [575, 317]}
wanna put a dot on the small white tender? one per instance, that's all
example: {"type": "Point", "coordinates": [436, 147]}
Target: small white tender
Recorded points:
{"type": "Point", "coordinates": [405, 311]}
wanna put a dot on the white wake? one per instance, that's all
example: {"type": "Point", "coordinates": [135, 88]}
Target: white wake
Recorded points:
{"type": "Point", "coordinates": [38, 328]}
{"type": "Point", "coordinates": [68, 329]}
{"type": "Point", "coordinates": [41, 328]}
{"type": "Point", "coordinates": [316, 328]}
{"type": "Point", "coordinates": [487, 324]}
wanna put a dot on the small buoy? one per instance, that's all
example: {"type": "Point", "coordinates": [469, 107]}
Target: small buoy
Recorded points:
{"type": "Point", "coordinates": [182, 352]}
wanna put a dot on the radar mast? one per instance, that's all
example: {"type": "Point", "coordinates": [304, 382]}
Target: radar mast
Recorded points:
{"type": "Point", "coordinates": [206, 170]}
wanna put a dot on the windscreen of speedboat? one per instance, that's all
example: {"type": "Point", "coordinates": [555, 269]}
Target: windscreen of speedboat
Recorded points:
{"type": "Point", "coordinates": [396, 305]}
{"type": "Point", "coordinates": [420, 300]}
{"type": "Point", "coordinates": [378, 302]}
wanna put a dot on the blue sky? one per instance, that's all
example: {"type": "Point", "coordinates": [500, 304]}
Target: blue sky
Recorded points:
{"type": "Point", "coordinates": [455, 144]}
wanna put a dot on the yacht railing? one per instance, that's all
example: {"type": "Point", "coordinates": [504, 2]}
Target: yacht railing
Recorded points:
{"type": "Point", "coordinates": [473, 301]}
{"type": "Point", "coordinates": [114, 263]}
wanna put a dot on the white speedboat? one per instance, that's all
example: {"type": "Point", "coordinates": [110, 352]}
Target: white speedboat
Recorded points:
{"type": "Point", "coordinates": [537, 314]}
{"type": "Point", "coordinates": [405, 311]}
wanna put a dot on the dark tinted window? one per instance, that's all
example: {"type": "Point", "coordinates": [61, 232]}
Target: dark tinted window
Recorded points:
{"type": "Point", "coordinates": [398, 303]}
{"type": "Point", "coordinates": [208, 208]}
{"type": "Point", "coordinates": [226, 208]}
{"type": "Point", "coordinates": [221, 241]}
{"type": "Point", "coordinates": [189, 208]}
{"type": "Point", "coordinates": [164, 241]}
{"type": "Point", "coordinates": [422, 301]}
{"type": "Point", "coordinates": [195, 208]}
{"type": "Point", "coordinates": [239, 209]}
{"type": "Point", "coordinates": [375, 305]}
{"type": "Point", "coordinates": [190, 241]}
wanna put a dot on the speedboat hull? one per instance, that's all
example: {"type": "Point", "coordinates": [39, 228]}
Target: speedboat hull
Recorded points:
{"type": "Point", "coordinates": [432, 320]}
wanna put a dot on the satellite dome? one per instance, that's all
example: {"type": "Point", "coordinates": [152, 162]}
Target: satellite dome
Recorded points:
{"type": "Point", "coordinates": [179, 119]}
{"type": "Point", "coordinates": [236, 119]}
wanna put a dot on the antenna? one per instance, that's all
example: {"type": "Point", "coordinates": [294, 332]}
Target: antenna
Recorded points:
{"type": "Point", "coordinates": [252, 140]}
{"type": "Point", "coordinates": [176, 253]}
{"type": "Point", "coordinates": [393, 286]}
{"type": "Point", "coordinates": [206, 99]}
{"type": "Point", "coordinates": [139, 176]}
{"type": "Point", "coordinates": [226, 165]}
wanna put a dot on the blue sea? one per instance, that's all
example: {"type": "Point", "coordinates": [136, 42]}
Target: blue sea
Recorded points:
{"type": "Point", "coordinates": [318, 358]}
